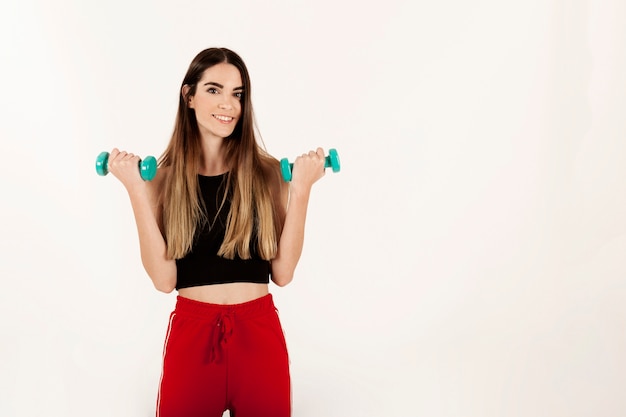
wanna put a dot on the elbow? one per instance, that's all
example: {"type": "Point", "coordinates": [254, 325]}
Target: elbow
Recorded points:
{"type": "Point", "coordinates": [282, 279]}
{"type": "Point", "coordinates": [164, 287]}
{"type": "Point", "coordinates": [163, 278]}
{"type": "Point", "coordinates": [164, 283]}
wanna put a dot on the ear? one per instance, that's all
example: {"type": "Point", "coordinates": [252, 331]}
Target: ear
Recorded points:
{"type": "Point", "coordinates": [185, 93]}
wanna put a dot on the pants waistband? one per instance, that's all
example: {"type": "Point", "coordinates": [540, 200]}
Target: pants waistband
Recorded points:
{"type": "Point", "coordinates": [221, 320]}
{"type": "Point", "coordinates": [243, 311]}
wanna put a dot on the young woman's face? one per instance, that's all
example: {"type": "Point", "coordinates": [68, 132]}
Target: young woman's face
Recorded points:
{"type": "Point", "coordinates": [217, 101]}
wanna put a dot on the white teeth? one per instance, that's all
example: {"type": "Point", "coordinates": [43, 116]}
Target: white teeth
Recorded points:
{"type": "Point", "coordinates": [223, 118]}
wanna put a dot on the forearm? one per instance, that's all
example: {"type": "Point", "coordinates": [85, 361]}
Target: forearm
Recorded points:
{"type": "Point", "coordinates": [291, 240]}
{"type": "Point", "coordinates": [307, 169]}
{"type": "Point", "coordinates": [160, 269]}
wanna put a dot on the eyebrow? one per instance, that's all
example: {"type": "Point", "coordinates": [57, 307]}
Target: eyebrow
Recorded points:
{"type": "Point", "coordinates": [218, 85]}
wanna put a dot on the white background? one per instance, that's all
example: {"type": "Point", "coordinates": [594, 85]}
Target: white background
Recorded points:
{"type": "Point", "coordinates": [469, 260]}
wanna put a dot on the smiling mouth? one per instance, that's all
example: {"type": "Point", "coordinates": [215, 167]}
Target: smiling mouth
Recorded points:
{"type": "Point", "coordinates": [224, 119]}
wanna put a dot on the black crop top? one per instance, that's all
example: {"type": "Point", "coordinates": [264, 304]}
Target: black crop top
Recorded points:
{"type": "Point", "coordinates": [202, 265]}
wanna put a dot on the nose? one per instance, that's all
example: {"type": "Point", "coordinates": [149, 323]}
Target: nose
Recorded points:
{"type": "Point", "coordinates": [226, 103]}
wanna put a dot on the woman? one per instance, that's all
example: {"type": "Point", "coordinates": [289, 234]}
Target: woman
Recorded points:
{"type": "Point", "coordinates": [215, 224]}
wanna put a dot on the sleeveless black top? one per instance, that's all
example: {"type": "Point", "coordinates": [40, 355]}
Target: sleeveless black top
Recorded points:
{"type": "Point", "coordinates": [202, 265]}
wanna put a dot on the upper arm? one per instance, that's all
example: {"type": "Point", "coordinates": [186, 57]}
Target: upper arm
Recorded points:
{"type": "Point", "coordinates": [155, 191]}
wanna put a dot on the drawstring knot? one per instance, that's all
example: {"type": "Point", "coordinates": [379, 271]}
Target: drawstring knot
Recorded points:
{"type": "Point", "coordinates": [222, 331]}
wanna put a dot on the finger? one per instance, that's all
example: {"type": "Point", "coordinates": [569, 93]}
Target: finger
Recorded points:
{"type": "Point", "coordinates": [124, 157]}
{"type": "Point", "coordinates": [115, 157]}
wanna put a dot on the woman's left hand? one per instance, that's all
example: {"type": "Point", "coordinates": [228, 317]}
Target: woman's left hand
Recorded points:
{"type": "Point", "coordinates": [307, 169]}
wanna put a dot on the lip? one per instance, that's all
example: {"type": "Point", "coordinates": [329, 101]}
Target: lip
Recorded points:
{"type": "Point", "coordinates": [222, 118]}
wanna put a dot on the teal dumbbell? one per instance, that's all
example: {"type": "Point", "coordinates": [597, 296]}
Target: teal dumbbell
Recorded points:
{"type": "Point", "coordinates": [331, 161]}
{"type": "Point", "coordinates": [147, 167]}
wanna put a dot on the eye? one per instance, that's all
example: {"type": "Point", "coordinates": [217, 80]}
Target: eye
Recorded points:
{"type": "Point", "coordinates": [239, 95]}
{"type": "Point", "coordinates": [212, 90]}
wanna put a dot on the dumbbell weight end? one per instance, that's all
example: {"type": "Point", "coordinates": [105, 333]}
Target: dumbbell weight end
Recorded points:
{"type": "Point", "coordinates": [102, 164]}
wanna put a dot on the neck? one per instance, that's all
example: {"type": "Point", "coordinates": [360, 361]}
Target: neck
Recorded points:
{"type": "Point", "coordinates": [213, 162]}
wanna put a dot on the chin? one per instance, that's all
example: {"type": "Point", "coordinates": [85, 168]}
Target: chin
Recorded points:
{"type": "Point", "coordinates": [227, 135]}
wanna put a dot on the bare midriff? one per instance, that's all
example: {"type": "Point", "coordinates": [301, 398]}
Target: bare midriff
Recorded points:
{"type": "Point", "coordinates": [225, 294]}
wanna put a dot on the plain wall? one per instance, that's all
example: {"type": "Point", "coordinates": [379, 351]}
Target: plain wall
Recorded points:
{"type": "Point", "coordinates": [469, 260]}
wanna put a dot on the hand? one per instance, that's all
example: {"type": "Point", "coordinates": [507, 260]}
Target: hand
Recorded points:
{"type": "Point", "coordinates": [124, 166]}
{"type": "Point", "coordinates": [307, 169]}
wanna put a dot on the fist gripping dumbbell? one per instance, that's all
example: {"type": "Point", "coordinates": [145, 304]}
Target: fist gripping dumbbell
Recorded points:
{"type": "Point", "coordinates": [147, 167]}
{"type": "Point", "coordinates": [331, 161]}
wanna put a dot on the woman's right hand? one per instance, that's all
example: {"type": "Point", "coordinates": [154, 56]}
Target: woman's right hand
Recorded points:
{"type": "Point", "coordinates": [125, 167]}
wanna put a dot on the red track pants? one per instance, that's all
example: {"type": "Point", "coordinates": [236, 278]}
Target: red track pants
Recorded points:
{"type": "Point", "coordinates": [219, 357]}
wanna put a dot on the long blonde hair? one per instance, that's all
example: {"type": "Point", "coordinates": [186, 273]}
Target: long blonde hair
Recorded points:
{"type": "Point", "coordinates": [253, 218]}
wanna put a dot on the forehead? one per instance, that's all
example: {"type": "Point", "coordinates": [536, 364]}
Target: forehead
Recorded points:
{"type": "Point", "coordinates": [225, 74]}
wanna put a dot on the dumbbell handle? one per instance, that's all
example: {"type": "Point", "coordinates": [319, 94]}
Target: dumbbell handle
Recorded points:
{"type": "Point", "coordinates": [147, 167]}
{"type": "Point", "coordinates": [331, 161]}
